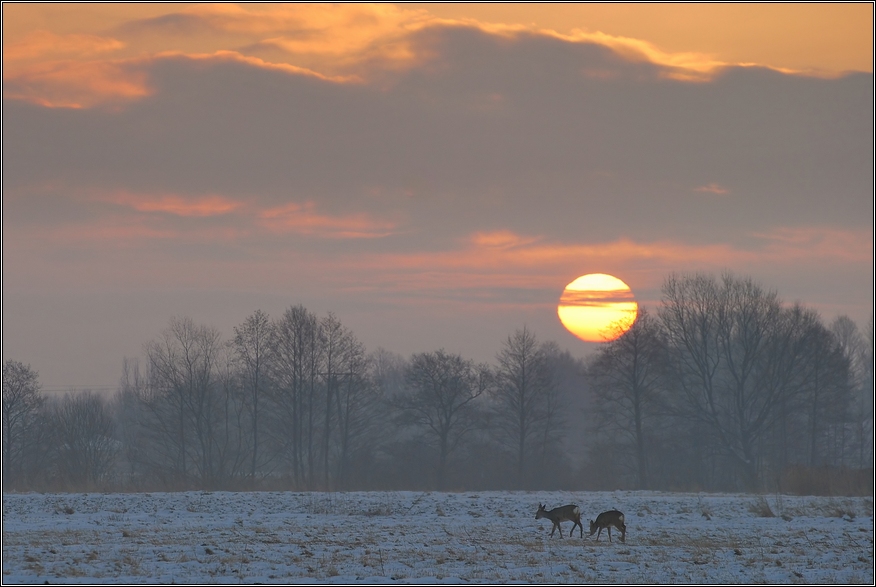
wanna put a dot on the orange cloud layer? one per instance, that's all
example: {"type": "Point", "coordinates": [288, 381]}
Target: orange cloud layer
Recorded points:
{"type": "Point", "coordinates": [808, 37]}
{"type": "Point", "coordinates": [336, 35]}
{"type": "Point", "coordinates": [347, 42]}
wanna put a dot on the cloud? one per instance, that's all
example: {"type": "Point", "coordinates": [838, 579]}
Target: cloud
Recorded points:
{"type": "Point", "coordinates": [481, 272]}
{"type": "Point", "coordinates": [64, 71]}
{"type": "Point", "coordinates": [371, 43]}
{"type": "Point", "coordinates": [531, 253]}
{"type": "Point", "coordinates": [235, 57]}
{"type": "Point", "coordinates": [682, 66]}
{"type": "Point", "coordinates": [502, 239]}
{"type": "Point", "coordinates": [712, 188]}
{"type": "Point", "coordinates": [210, 205]}
{"type": "Point", "coordinates": [568, 157]}
{"type": "Point", "coordinates": [86, 84]}
{"type": "Point", "coordinates": [77, 84]}
{"type": "Point", "coordinates": [304, 219]}
{"type": "Point", "coordinates": [331, 38]}
{"type": "Point", "coordinates": [800, 244]}
{"type": "Point", "coordinates": [47, 45]}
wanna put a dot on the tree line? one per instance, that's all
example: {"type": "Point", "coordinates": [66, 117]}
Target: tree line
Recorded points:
{"type": "Point", "coordinates": [722, 387]}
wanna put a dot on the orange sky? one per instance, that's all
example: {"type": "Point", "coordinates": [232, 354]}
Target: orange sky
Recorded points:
{"type": "Point", "coordinates": [826, 37]}
{"type": "Point", "coordinates": [812, 36]}
{"type": "Point", "coordinates": [71, 55]}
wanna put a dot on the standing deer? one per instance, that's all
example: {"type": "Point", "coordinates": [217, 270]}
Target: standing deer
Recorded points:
{"type": "Point", "coordinates": [565, 513]}
{"type": "Point", "coordinates": [607, 520]}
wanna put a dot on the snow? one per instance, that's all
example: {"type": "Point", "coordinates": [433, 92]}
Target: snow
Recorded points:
{"type": "Point", "coordinates": [415, 537]}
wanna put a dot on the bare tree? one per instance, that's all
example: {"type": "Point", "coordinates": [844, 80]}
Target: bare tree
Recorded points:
{"type": "Point", "coordinates": [866, 409]}
{"type": "Point", "coordinates": [627, 376]}
{"type": "Point", "coordinates": [184, 399]}
{"type": "Point", "coordinates": [388, 371]}
{"type": "Point", "coordinates": [333, 337]}
{"type": "Point", "coordinates": [296, 362]}
{"type": "Point", "coordinates": [526, 411]}
{"type": "Point", "coordinates": [84, 431]}
{"type": "Point", "coordinates": [134, 424]}
{"type": "Point", "coordinates": [350, 400]}
{"type": "Point", "coordinates": [739, 358]}
{"type": "Point", "coordinates": [866, 385]}
{"type": "Point", "coordinates": [252, 345]}
{"type": "Point", "coordinates": [357, 403]}
{"type": "Point", "coordinates": [232, 415]}
{"type": "Point", "coordinates": [853, 345]}
{"type": "Point", "coordinates": [442, 388]}
{"type": "Point", "coordinates": [21, 408]}
{"type": "Point", "coordinates": [827, 394]}
{"type": "Point", "coordinates": [549, 449]}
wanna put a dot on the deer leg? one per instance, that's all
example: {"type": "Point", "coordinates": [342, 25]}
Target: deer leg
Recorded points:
{"type": "Point", "coordinates": [609, 533]}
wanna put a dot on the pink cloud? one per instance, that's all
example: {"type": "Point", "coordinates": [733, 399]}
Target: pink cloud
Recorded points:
{"type": "Point", "coordinates": [712, 188]}
{"type": "Point", "coordinates": [490, 262]}
{"type": "Point", "coordinates": [500, 239]}
{"type": "Point", "coordinates": [211, 205]}
{"type": "Point", "coordinates": [304, 219]}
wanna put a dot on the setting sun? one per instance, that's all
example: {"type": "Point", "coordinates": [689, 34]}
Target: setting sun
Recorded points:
{"type": "Point", "coordinates": [597, 307]}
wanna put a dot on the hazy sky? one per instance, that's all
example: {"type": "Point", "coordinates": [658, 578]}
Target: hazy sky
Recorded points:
{"type": "Point", "coordinates": [434, 175]}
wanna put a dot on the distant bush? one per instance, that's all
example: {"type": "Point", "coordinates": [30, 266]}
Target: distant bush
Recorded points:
{"type": "Point", "coordinates": [802, 480]}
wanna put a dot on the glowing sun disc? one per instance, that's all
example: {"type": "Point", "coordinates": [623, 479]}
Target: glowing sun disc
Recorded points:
{"type": "Point", "coordinates": [597, 307]}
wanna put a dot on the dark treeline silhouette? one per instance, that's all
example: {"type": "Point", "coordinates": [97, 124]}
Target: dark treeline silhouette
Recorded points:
{"type": "Point", "coordinates": [721, 387]}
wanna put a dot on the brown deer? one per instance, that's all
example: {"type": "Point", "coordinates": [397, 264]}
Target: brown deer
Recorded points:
{"type": "Point", "coordinates": [565, 513]}
{"type": "Point", "coordinates": [607, 520]}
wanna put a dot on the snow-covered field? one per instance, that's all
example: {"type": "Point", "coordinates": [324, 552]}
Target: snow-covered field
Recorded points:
{"type": "Point", "coordinates": [413, 537]}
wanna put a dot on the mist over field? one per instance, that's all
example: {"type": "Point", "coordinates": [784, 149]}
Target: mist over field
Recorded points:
{"type": "Point", "coordinates": [724, 387]}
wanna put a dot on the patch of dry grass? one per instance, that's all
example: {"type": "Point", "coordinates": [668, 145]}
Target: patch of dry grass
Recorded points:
{"type": "Point", "coordinates": [760, 508]}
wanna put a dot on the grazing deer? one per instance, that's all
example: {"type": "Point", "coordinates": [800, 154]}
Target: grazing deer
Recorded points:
{"type": "Point", "coordinates": [607, 520]}
{"type": "Point", "coordinates": [565, 513]}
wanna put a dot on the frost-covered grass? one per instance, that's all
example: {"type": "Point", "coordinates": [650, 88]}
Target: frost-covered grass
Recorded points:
{"type": "Point", "coordinates": [411, 537]}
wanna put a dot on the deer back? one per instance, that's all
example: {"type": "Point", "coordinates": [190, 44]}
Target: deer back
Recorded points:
{"type": "Point", "coordinates": [559, 514]}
